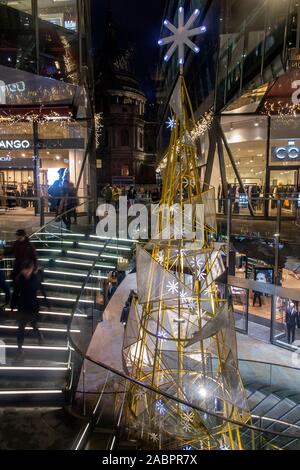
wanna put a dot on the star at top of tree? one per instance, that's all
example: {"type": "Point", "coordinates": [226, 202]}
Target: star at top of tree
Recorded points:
{"type": "Point", "coordinates": [181, 35]}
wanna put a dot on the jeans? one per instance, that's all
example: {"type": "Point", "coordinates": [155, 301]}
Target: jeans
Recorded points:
{"type": "Point", "coordinates": [23, 319]}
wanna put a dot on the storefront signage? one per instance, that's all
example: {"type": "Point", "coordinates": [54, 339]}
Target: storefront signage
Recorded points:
{"type": "Point", "coordinates": [47, 144]}
{"type": "Point", "coordinates": [285, 154]}
{"type": "Point", "coordinates": [14, 144]}
{"type": "Point", "coordinates": [61, 144]}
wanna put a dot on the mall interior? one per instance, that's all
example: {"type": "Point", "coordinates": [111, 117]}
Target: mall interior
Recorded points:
{"type": "Point", "coordinates": [154, 344]}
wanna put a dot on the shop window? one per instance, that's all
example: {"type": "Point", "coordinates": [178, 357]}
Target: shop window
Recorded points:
{"type": "Point", "coordinates": [125, 138]}
{"type": "Point", "coordinates": [239, 301]}
{"type": "Point", "coordinates": [22, 5]}
{"type": "Point", "coordinates": [63, 14]}
{"type": "Point", "coordinates": [125, 170]}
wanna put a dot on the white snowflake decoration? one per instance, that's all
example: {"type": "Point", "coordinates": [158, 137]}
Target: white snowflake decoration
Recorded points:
{"type": "Point", "coordinates": [160, 257]}
{"type": "Point", "coordinates": [189, 416]}
{"type": "Point", "coordinates": [183, 407]}
{"type": "Point", "coordinates": [187, 447]}
{"type": "Point", "coordinates": [172, 287]}
{"type": "Point", "coordinates": [187, 182]}
{"type": "Point", "coordinates": [181, 35]}
{"type": "Point", "coordinates": [153, 437]}
{"type": "Point", "coordinates": [187, 426]}
{"type": "Point", "coordinates": [140, 394]}
{"type": "Point", "coordinates": [171, 123]}
{"type": "Point", "coordinates": [184, 297]}
{"type": "Point", "coordinates": [162, 335]}
{"type": "Point", "coordinates": [192, 305]}
{"type": "Point", "coordinates": [160, 407]}
{"type": "Point", "coordinates": [198, 261]}
{"type": "Point", "coordinates": [202, 275]}
{"type": "Point", "coordinates": [224, 447]}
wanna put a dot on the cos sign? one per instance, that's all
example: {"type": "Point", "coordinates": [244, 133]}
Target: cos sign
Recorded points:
{"type": "Point", "coordinates": [285, 154]}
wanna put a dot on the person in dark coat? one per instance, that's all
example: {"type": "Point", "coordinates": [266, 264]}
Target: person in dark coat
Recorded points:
{"type": "Point", "coordinates": [55, 191]}
{"type": "Point", "coordinates": [23, 250]}
{"type": "Point", "coordinates": [256, 296]}
{"type": "Point", "coordinates": [24, 298]}
{"type": "Point", "coordinates": [125, 313]}
{"type": "Point", "coordinates": [291, 315]}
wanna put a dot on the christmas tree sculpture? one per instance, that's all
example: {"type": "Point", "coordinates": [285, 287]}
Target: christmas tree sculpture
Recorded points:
{"type": "Point", "coordinates": [180, 337]}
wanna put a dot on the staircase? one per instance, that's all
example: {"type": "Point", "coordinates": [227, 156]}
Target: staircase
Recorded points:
{"type": "Point", "coordinates": [42, 375]}
{"type": "Point", "coordinates": [277, 411]}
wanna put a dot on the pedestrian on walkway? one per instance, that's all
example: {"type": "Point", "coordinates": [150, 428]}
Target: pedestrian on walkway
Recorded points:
{"type": "Point", "coordinates": [257, 296]}
{"type": "Point", "coordinates": [67, 204]}
{"type": "Point", "coordinates": [24, 298]}
{"type": "Point", "coordinates": [131, 195]}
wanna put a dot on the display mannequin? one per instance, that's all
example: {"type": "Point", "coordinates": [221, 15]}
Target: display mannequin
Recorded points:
{"type": "Point", "coordinates": [291, 315]}
{"type": "Point", "coordinates": [30, 191]}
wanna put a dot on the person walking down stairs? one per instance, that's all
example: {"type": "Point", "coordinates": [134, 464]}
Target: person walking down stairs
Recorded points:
{"type": "Point", "coordinates": [22, 250]}
{"type": "Point", "coordinates": [24, 298]}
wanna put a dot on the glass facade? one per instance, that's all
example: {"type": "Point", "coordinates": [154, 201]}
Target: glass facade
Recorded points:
{"type": "Point", "coordinates": [45, 37]}
{"type": "Point", "coordinates": [43, 62]}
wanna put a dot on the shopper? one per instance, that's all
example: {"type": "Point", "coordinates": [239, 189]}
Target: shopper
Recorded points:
{"type": "Point", "coordinates": [256, 296]}
{"type": "Point", "coordinates": [107, 195]}
{"type": "Point", "coordinates": [25, 299]}
{"type": "Point", "coordinates": [291, 321]}
{"type": "Point", "coordinates": [131, 195]}
{"type": "Point", "coordinates": [125, 313]}
{"type": "Point", "coordinates": [55, 191]}
{"type": "Point", "coordinates": [74, 203]}
{"type": "Point", "coordinates": [22, 250]}
{"type": "Point", "coordinates": [116, 196]}
{"type": "Point", "coordinates": [155, 196]}
{"type": "Point", "coordinates": [67, 204]}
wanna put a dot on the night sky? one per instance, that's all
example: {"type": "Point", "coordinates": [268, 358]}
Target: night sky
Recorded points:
{"type": "Point", "coordinates": [138, 23]}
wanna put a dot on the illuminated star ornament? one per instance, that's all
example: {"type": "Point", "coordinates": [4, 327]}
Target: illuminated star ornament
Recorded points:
{"type": "Point", "coordinates": [181, 35]}
{"type": "Point", "coordinates": [171, 123]}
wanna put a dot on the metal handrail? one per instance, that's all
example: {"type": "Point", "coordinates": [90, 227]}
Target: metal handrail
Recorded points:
{"type": "Point", "coordinates": [58, 217]}
{"type": "Point", "coordinates": [171, 397]}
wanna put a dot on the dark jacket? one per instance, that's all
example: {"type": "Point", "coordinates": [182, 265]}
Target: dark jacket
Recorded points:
{"type": "Point", "coordinates": [291, 315]}
{"type": "Point", "coordinates": [25, 293]}
{"type": "Point", "coordinates": [22, 251]}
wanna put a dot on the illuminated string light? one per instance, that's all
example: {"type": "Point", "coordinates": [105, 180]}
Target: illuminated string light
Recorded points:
{"type": "Point", "coordinates": [30, 117]}
{"type": "Point", "coordinates": [98, 128]}
{"type": "Point", "coordinates": [203, 125]}
{"type": "Point", "coordinates": [70, 64]}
